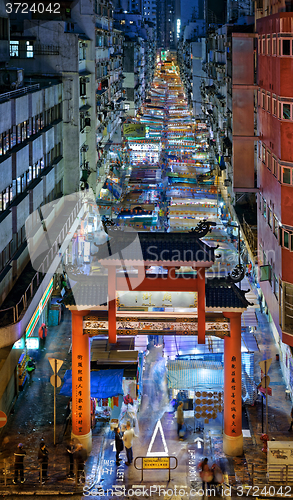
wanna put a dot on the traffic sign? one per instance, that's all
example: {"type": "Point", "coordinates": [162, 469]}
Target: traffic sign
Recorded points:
{"type": "Point", "coordinates": [265, 381]}
{"type": "Point", "coordinates": [55, 380]}
{"type": "Point", "coordinates": [55, 364]}
{"type": "Point", "coordinates": [156, 462]}
{"type": "Point", "coordinates": [265, 364]}
{"type": "Point", "coordinates": [3, 419]}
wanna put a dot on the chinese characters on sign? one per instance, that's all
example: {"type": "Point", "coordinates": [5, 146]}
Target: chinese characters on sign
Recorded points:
{"type": "Point", "coordinates": [233, 396]}
{"type": "Point", "coordinates": [79, 393]}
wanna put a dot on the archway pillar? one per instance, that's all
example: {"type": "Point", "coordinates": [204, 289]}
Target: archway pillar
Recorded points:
{"type": "Point", "coordinates": [112, 304]}
{"type": "Point", "coordinates": [233, 437]}
{"type": "Point", "coordinates": [201, 298]}
{"type": "Point", "coordinates": [81, 392]}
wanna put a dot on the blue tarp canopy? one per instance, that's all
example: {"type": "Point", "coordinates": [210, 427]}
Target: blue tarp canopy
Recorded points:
{"type": "Point", "coordinates": [104, 383]}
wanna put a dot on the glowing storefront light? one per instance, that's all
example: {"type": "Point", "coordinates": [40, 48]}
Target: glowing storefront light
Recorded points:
{"type": "Point", "coordinates": [30, 327]}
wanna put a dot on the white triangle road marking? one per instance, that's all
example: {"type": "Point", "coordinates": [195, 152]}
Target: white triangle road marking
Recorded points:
{"type": "Point", "coordinates": [164, 453]}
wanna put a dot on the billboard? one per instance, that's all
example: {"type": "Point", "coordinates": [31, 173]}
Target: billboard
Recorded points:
{"type": "Point", "coordinates": [133, 130]}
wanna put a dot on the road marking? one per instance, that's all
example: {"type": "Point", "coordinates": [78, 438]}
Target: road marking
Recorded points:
{"type": "Point", "coordinates": [164, 453]}
{"type": "Point", "coordinates": [226, 482]}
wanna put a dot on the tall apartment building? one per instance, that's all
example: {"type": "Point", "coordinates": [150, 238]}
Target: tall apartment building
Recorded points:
{"type": "Point", "coordinates": [139, 50]}
{"type": "Point", "coordinates": [168, 23]}
{"type": "Point", "coordinates": [274, 26]}
{"type": "Point", "coordinates": [56, 77]}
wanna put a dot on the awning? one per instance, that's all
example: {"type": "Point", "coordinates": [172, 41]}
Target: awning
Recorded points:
{"type": "Point", "coordinates": [248, 340]}
{"type": "Point", "coordinates": [85, 72]}
{"type": "Point", "coordinates": [102, 91]}
{"type": "Point", "coordinates": [104, 383]}
{"type": "Point", "coordinates": [85, 107]}
{"type": "Point", "coordinates": [189, 374]}
{"type": "Point", "coordinates": [248, 318]}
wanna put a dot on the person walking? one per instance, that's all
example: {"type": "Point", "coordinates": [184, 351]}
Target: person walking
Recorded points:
{"type": "Point", "coordinates": [43, 331]}
{"type": "Point", "coordinates": [19, 455]}
{"type": "Point", "coordinates": [128, 436]}
{"type": "Point", "coordinates": [205, 473]}
{"type": "Point", "coordinates": [70, 448]}
{"type": "Point", "coordinates": [118, 444]}
{"type": "Point", "coordinates": [80, 457]}
{"type": "Point", "coordinates": [43, 457]}
{"type": "Point", "coordinates": [291, 425]}
{"type": "Point", "coordinates": [218, 477]}
{"type": "Point", "coordinates": [180, 419]}
{"type": "Point", "coordinates": [30, 368]}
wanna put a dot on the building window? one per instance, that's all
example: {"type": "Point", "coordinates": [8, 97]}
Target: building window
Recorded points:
{"type": "Point", "coordinates": [286, 47]}
{"type": "Point", "coordinates": [269, 163]}
{"type": "Point", "coordinates": [285, 239]}
{"type": "Point", "coordinates": [286, 175]}
{"type": "Point", "coordinates": [14, 49]}
{"type": "Point", "coordinates": [263, 100]}
{"type": "Point", "coordinates": [276, 227]}
{"type": "Point", "coordinates": [269, 102]}
{"type": "Point", "coordinates": [263, 49]}
{"type": "Point", "coordinates": [29, 50]}
{"type": "Point", "coordinates": [286, 111]}
{"type": "Point", "coordinates": [274, 46]}
{"type": "Point", "coordinates": [82, 51]}
{"type": "Point", "coordinates": [82, 86]}
{"type": "Point", "coordinates": [274, 166]}
{"type": "Point", "coordinates": [268, 45]}
{"type": "Point", "coordinates": [270, 217]}
{"type": "Point", "coordinates": [264, 208]}
{"type": "Point", "coordinates": [274, 108]}
{"type": "Point", "coordinates": [263, 156]}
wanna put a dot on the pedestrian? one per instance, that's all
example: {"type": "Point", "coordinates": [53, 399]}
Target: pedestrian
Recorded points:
{"type": "Point", "coordinates": [205, 473]}
{"type": "Point", "coordinates": [291, 425]}
{"type": "Point", "coordinates": [43, 457]}
{"type": "Point", "coordinates": [260, 303]}
{"type": "Point", "coordinates": [80, 457]}
{"type": "Point", "coordinates": [118, 444]}
{"type": "Point", "coordinates": [30, 368]}
{"type": "Point", "coordinates": [70, 448]}
{"type": "Point", "coordinates": [180, 419]}
{"type": "Point", "coordinates": [68, 416]}
{"type": "Point", "coordinates": [218, 476]}
{"type": "Point", "coordinates": [128, 436]}
{"type": "Point", "coordinates": [42, 335]}
{"type": "Point", "coordinates": [19, 455]}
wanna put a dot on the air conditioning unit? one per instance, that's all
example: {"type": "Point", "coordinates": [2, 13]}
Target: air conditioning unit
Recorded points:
{"type": "Point", "coordinates": [11, 78]}
{"type": "Point", "coordinates": [84, 148]}
{"type": "Point", "coordinates": [87, 122]}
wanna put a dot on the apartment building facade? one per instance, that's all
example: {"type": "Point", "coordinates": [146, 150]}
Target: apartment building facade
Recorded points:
{"type": "Point", "coordinates": [275, 162]}
{"type": "Point", "coordinates": [49, 147]}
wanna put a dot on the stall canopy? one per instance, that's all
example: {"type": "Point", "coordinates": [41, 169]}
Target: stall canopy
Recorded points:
{"type": "Point", "coordinates": [104, 383]}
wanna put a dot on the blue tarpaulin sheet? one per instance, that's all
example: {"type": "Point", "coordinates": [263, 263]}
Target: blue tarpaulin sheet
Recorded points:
{"type": "Point", "coordinates": [104, 383]}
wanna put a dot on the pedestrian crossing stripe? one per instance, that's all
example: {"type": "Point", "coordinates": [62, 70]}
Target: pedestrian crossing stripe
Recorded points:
{"type": "Point", "coordinates": [164, 453]}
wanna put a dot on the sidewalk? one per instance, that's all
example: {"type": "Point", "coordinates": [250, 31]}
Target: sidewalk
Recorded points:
{"type": "Point", "coordinates": [279, 407]}
{"type": "Point", "coordinates": [32, 420]}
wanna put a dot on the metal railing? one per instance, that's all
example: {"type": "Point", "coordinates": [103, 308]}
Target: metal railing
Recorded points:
{"type": "Point", "coordinates": [15, 93]}
{"type": "Point", "coordinates": [12, 314]}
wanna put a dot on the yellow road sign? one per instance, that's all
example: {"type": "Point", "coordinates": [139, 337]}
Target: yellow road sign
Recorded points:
{"type": "Point", "coordinates": [156, 462]}
{"type": "Point", "coordinates": [55, 364]}
{"type": "Point", "coordinates": [55, 380]}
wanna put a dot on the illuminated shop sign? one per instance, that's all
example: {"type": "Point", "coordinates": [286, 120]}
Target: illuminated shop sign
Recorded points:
{"type": "Point", "coordinates": [30, 327]}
